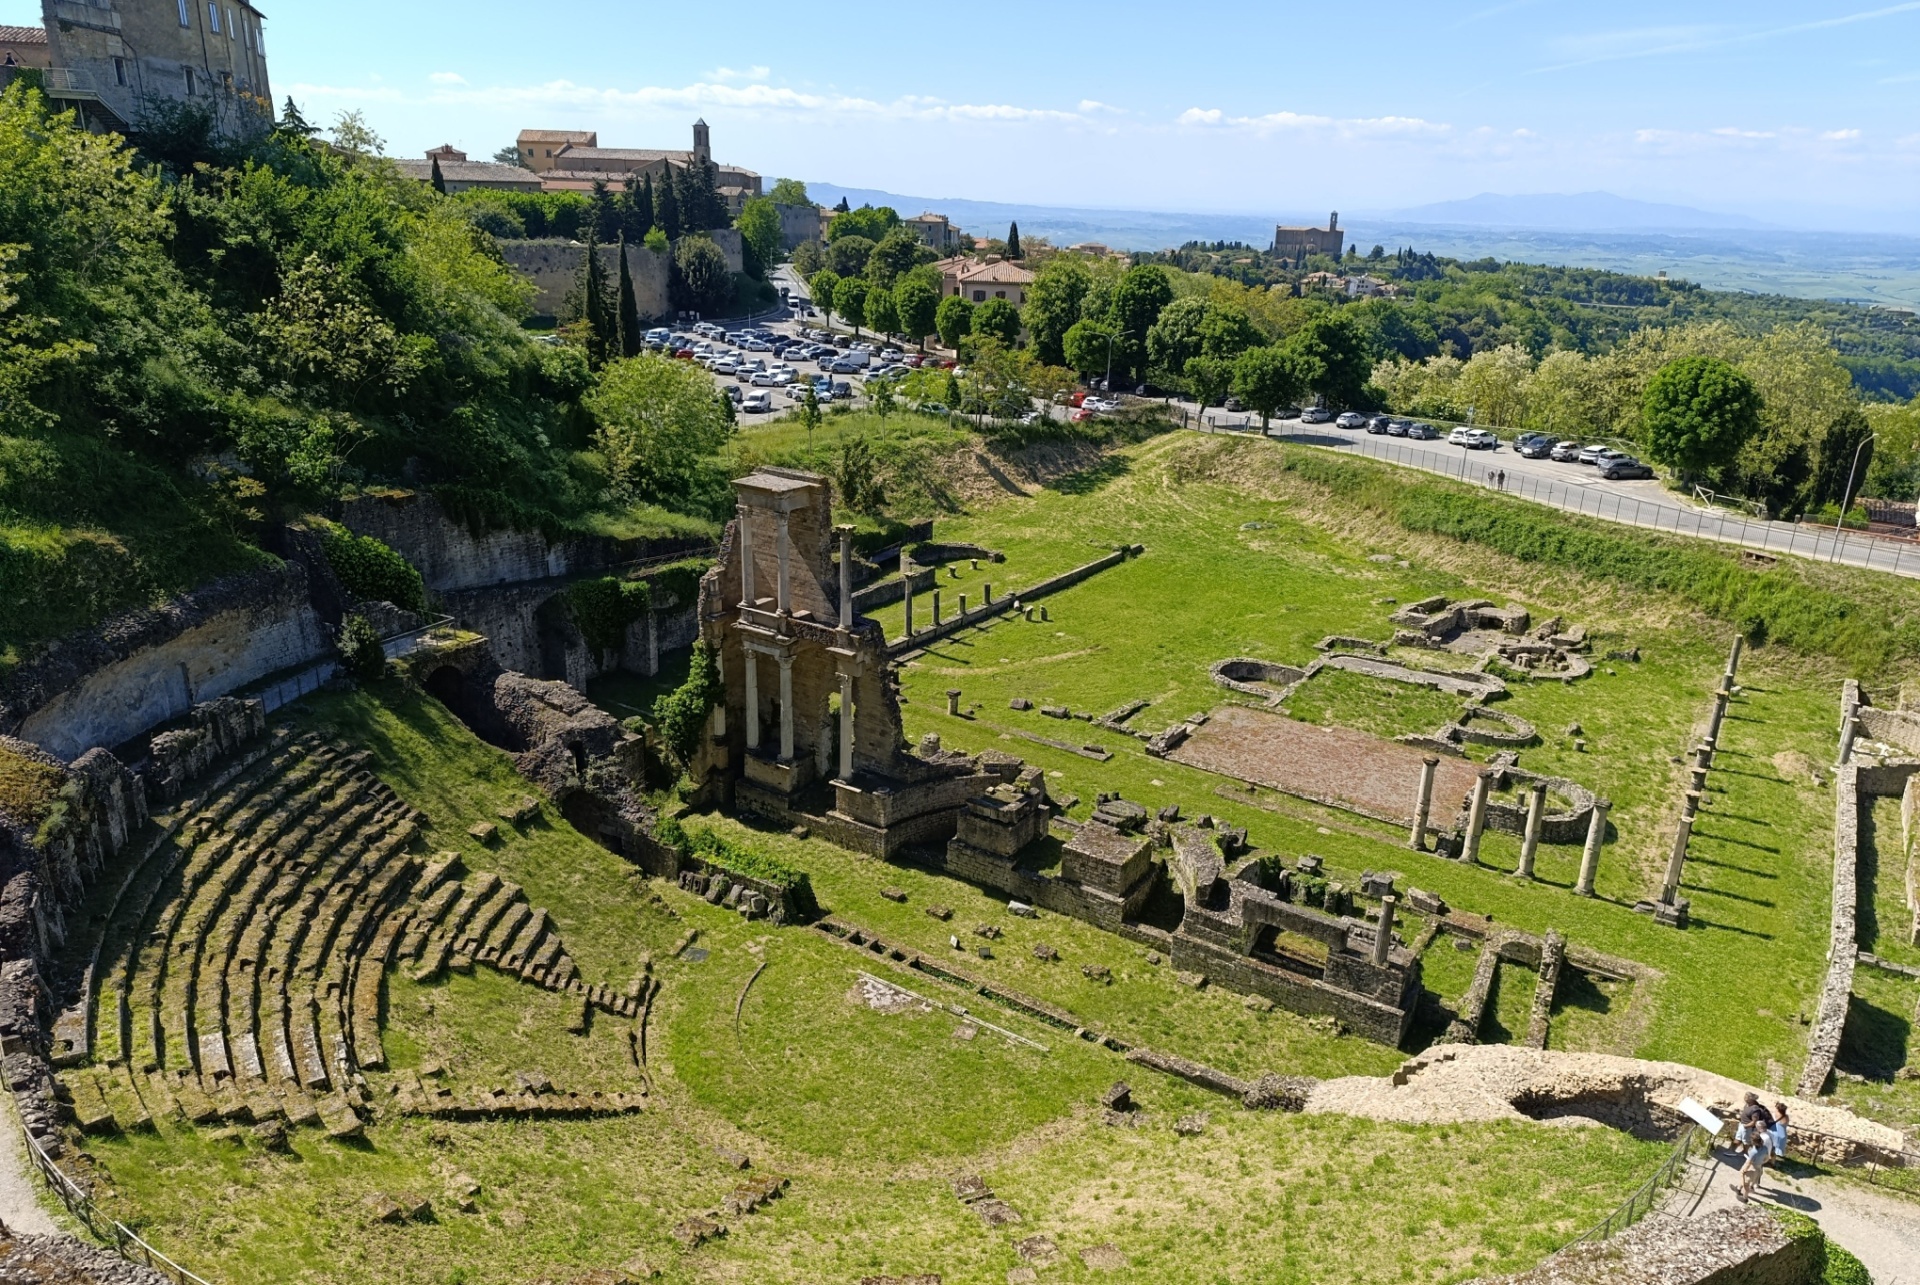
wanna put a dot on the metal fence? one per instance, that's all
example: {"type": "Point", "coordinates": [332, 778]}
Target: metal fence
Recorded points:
{"type": "Point", "coordinates": [109, 1230]}
{"type": "Point", "coordinates": [1650, 1193]}
{"type": "Point", "coordinates": [1822, 544]}
{"type": "Point", "coordinates": [1899, 1172]}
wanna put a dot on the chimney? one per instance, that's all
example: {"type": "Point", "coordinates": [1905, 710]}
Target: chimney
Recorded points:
{"type": "Point", "coordinates": [1333, 221]}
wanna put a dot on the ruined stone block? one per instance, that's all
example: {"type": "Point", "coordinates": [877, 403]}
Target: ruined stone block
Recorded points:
{"type": "Point", "coordinates": [1118, 1098]}
{"type": "Point", "coordinates": [1191, 1126]}
{"type": "Point", "coordinates": [1045, 953]}
{"type": "Point", "coordinates": [898, 895]}
{"type": "Point", "coordinates": [969, 1187]}
{"type": "Point", "coordinates": [485, 833]}
{"type": "Point", "coordinates": [1424, 902]}
{"type": "Point", "coordinates": [1096, 973]}
{"type": "Point", "coordinates": [694, 1232]}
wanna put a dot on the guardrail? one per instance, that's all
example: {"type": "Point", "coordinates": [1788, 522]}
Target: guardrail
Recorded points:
{"type": "Point", "coordinates": [1901, 1174]}
{"type": "Point", "coordinates": [1649, 1193]}
{"type": "Point", "coordinates": [124, 1240]}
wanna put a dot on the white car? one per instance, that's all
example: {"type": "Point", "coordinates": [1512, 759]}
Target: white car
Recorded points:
{"type": "Point", "coordinates": [782, 376]}
{"type": "Point", "coordinates": [1474, 439]}
{"type": "Point", "coordinates": [765, 379]}
{"type": "Point", "coordinates": [725, 366]}
{"type": "Point", "coordinates": [757, 345]}
{"type": "Point", "coordinates": [757, 403]}
{"type": "Point", "coordinates": [1351, 419]}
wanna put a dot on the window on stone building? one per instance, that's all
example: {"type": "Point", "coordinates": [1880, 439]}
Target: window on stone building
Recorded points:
{"type": "Point", "coordinates": [189, 72]}
{"type": "Point", "coordinates": [120, 72]}
{"type": "Point", "coordinates": [186, 18]}
{"type": "Point", "coordinates": [999, 294]}
{"type": "Point", "coordinates": [213, 16]}
{"type": "Point", "coordinates": [979, 296]}
{"type": "Point", "coordinates": [233, 32]}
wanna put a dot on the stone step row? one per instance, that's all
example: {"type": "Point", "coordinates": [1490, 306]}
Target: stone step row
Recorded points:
{"type": "Point", "coordinates": [444, 1104]}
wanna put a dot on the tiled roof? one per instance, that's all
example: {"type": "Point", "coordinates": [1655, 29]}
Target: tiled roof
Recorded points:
{"type": "Point", "coordinates": [1002, 273]}
{"type": "Point", "coordinates": [470, 172]}
{"type": "Point", "coordinates": [23, 35]}
{"type": "Point", "coordinates": [582, 154]}
{"type": "Point", "coordinates": [585, 136]}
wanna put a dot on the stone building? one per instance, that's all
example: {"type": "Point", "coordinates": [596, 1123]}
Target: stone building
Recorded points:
{"type": "Point", "coordinates": [1298, 243]}
{"type": "Point", "coordinates": [459, 174]}
{"type": "Point", "coordinates": [575, 162]}
{"type": "Point", "coordinates": [809, 730]}
{"type": "Point", "coordinates": [25, 47]}
{"type": "Point", "coordinates": [934, 232]}
{"type": "Point", "coordinates": [978, 280]}
{"type": "Point", "coordinates": [111, 60]}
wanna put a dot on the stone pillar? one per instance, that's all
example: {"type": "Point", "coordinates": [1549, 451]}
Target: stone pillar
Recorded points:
{"type": "Point", "coordinates": [1477, 818]}
{"type": "Point", "coordinates": [953, 701]}
{"type": "Point", "coordinates": [1719, 713]}
{"type": "Point", "coordinates": [1590, 859]}
{"type": "Point", "coordinates": [720, 720]}
{"type": "Point", "coordinates": [1846, 740]}
{"type": "Point", "coordinates": [936, 608]}
{"type": "Point", "coordinates": [986, 593]}
{"type": "Point", "coordinates": [746, 556]}
{"type": "Point", "coordinates": [1423, 804]}
{"type": "Point", "coordinates": [846, 726]}
{"type": "Point", "coordinates": [1733, 661]}
{"type": "Point", "coordinates": [963, 606]}
{"type": "Point", "coordinates": [1703, 755]}
{"type": "Point", "coordinates": [1383, 931]}
{"type": "Point", "coordinates": [786, 709]}
{"type": "Point", "coordinates": [1536, 812]}
{"type": "Point", "coordinates": [1677, 859]}
{"type": "Point", "coordinates": [784, 544]}
{"type": "Point", "coordinates": [906, 584]}
{"type": "Point", "coordinates": [846, 578]}
{"type": "Point", "coordinates": [751, 659]}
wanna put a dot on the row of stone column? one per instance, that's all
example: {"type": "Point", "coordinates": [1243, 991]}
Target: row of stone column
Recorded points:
{"type": "Point", "coordinates": [906, 573]}
{"type": "Point", "coordinates": [1530, 841]}
{"type": "Point", "coordinates": [1702, 763]}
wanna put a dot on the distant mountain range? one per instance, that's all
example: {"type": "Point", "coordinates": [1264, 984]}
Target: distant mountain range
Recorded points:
{"type": "Point", "coordinates": [1576, 212]}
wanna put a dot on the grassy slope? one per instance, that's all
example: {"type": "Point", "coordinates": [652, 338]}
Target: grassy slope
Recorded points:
{"type": "Point", "coordinates": [868, 1114]}
{"type": "Point", "coordinates": [1244, 559]}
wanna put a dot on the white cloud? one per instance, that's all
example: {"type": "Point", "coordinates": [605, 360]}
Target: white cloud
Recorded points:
{"type": "Point", "coordinates": [1650, 42]}
{"type": "Point", "coordinates": [1089, 106]}
{"type": "Point", "coordinates": [1840, 135]}
{"type": "Point", "coordinates": [1345, 127]}
{"type": "Point", "coordinates": [447, 78]}
{"type": "Point", "coordinates": [1728, 131]}
{"type": "Point", "coordinates": [731, 74]}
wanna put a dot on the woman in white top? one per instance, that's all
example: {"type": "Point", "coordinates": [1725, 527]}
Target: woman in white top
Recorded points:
{"type": "Point", "coordinates": [1779, 1130]}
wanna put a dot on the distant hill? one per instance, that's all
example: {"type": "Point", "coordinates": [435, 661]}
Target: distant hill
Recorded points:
{"type": "Point", "coordinates": [1066, 225]}
{"type": "Point", "coordinates": [1576, 212]}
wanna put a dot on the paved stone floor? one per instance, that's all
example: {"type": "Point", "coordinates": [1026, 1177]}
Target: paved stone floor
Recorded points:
{"type": "Point", "coordinates": [21, 1191]}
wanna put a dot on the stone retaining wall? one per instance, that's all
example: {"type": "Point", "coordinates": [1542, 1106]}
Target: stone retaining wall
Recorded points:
{"type": "Point", "coordinates": [1830, 1019]}
{"type": "Point", "coordinates": [974, 615]}
{"type": "Point", "coordinates": [1742, 1245]}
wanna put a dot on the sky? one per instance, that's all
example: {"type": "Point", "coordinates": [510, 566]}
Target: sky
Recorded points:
{"type": "Point", "coordinates": [1804, 114]}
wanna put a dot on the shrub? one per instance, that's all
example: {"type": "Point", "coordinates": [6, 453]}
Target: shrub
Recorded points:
{"type": "Point", "coordinates": [360, 650]}
{"type": "Point", "coordinates": [717, 850]}
{"type": "Point", "coordinates": [681, 714]}
{"type": "Point", "coordinates": [680, 581]}
{"type": "Point", "coordinates": [603, 608]}
{"type": "Point", "coordinates": [1844, 1269]}
{"type": "Point", "coordinates": [668, 832]}
{"type": "Point", "coordinates": [371, 571]}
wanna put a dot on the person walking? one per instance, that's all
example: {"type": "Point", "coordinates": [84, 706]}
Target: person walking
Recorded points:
{"type": "Point", "coordinates": [1752, 1118]}
{"type": "Point", "coordinates": [1759, 1149]}
{"type": "Point", "coordinates": [1779, 1131]}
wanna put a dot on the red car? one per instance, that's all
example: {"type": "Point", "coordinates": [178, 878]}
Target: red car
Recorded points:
{"type": "Point", "coordinates": [914, 360]}
{"type": "Point", "coordinates": [683, 354]}
{"type": "Point", "coordinates": [1079, 397]}
{"type": "Point", "coordinates": [1082, 415]}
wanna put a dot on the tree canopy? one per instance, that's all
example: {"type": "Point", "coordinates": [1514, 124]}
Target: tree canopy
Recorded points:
{"type": "Point", "coordinates": [867, 221]}
{"type": "Point", "coordinates": [1698, 412]}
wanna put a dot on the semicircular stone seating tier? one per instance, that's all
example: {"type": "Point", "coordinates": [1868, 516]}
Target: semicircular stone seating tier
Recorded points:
{"type": "Point", "coordinates": [1275, 683]}
{"type": "Point", "coordinates": [235, 974]}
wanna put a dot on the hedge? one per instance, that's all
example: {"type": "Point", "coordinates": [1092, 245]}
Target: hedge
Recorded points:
{"type": "Point", "coordinates": [371, 571]}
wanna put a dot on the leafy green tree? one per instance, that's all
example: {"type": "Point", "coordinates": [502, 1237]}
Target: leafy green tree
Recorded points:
{"type": "Point", "coordinates": [789, 191]}
{"type": "Point", "coordinates": [881, 317]}
{"type": "Point", "coordinates": [658, 243]}
{"type": "Point", "coordinates": [821, 285]}
{"type": "Point", "coordinates": [360, 652]}
{"type": "Point", "coordinates": [1143, 292]}
{"type": "Point", "coordinates": [508, 155]}
{"type": "Point", "coordinates": [809, 411]}
{"type": "Point", "coordinates": [1013, 242]}
{"type": "Point", "coordinates": [850, 301]}
{"type": "Point", "coordinates": [848, 255]}
{"type": "Point", "coordinates": [1227, 332]}
{"type": "Point", "coordinates": [589, 304]}
{"type": "Point", "coordinates": [293, 124]}
{"type": "Point", "coordinates": [1335, 358]}
{"type": "Point", "coordinates": [898, 253]}
{"type": "Point", "coordinates": [1209, 379]}
{"type": "Point", "coordinates": [1267, 379]}
{"type": "Point", "coordinates": [857, 477]}
{"type": "Point", "coordinates": [997, 319]}
{"type": "Point", "coordinates": [808, 258]}
{"type": "Point", "coordinates": [681, 715]}
{"type": "Point", "coordinates": [1091, 347]}
{"type": "Point", "coordinates": [867, 222]}
{"type": "Point", "coordinates": [953, 318]}
{"type": "Point", "coordinates": [759, 225]}
{"type": "Point", "coordinates": [655, 421]}
{"type": "Point", "coordinates": [634, 208]}
{"type": "Point", "coordinates": [323, 335]}
{"type": "Point", "coordinates": [1174, 339]}
{"type": "Point", "coordinates": [1697, 414]}
{"type": "Point", "coordinates": [353, 135]}
{"type": "Point", "coordinates": [917, 306]}
{"type": "Point", "coordinates": [882, 397]}
{"type": "Point", "coordinates": [701, 281]}
{"type": "Point", "coordinates": [1054, 304]}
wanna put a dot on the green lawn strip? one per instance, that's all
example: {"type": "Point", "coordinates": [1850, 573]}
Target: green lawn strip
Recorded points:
{"type": "Point", "coordinates": [1228, 573]}
{"type": "Point", "coordinates": [1338, 698]}
{"type": "Point", "coordinates": [1885, 923]}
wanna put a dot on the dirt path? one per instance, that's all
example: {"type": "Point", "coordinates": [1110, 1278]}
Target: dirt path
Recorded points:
{"type": "Point", "coordinates": [1881, 1230]}
{"type": "Point", "coordinates": [20, 1188]}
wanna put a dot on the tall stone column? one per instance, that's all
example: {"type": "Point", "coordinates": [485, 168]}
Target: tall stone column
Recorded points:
{"type": "Point", "coordinates": [1847, 732]}
{"type": "Point", "coordinates": [846, 726]}
{"type": "Point", "coordinates": [1423, 804]}
{"type": "Point", "coordinates": [846, 578]}
{"type": "Point", "coordinates": [1677, 859]}
{"type": "Point", "coordinates": [936, 608]}
{"type": "Point", "coordinates": [906, 585]}
{"type": "Point", "coordinates": [1536, 813]}
{"type": "Point", "coordinates": [1477, 818]}
{"type": "Point", "coordinates": [1733, 660]}
{"type": "Point", "coordinates": [746, 556]}
{"type": "Point", "coordinates": [784, 545]}
{"type": "Point", "coordinates": [1590, 859]}
{"type": "Point", "coordinates": [751, 659]}
{"type": "Point", "coordinates": [1719, 713]}
{"type": "Point", "coordinates": [1383, 931]}
{"type": "Point", "coordinates": [786, 709]}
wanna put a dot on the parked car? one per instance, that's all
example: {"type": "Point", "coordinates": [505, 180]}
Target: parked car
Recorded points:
{"type": "Point", "coordinates": [725, 366]}
{"type": "Point", "coordinates": [1233, 404]}
{"type": "Point", "coordinates": [842, 390]}
{"type": "Point", "coordinates": [1082, 415]}
{"type": "Point", "coordinates": [841, 366]}
{"type": "Point", "coordinates": [1462, 436]}
{"type": "Point", "coordinates": [1398, 427]}
{"type": "Point", "coordinates": [1565, 452]}
{"type": "Point", "coordinates": [1591, 454]}
{"type": "Point", "coordinates": [1423, 432]}
{"type": "Point", "coordinates": [1536, 446]}
{"type": "Point", "coordinates": [1352, 419]}
{"type": "Point", "coordinates": [658, 337]}
{"type": "Point", "coordinates": [1620, 468]}
{"type": "Point", "coordinates": [765, 379]}
{"type": "Point", "coordinates": [733, 391]}
{"type": "Point", "coordinates": [934, 408]}
{"type": "Point", "coordinates": [1377, 426]}
{"type": "Point", "coordinates": [1316, 415]}
{"type": "Point", "coordinates": [758, 402]}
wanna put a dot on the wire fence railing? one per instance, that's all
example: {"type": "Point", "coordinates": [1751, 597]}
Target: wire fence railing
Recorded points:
{"type": "Point", "coordinates": [1657, 513]}
{"type": "Point", "coordinates": [108, 1229]}
{"type": "Point", "coordinates": [1649, 1194]}
{"type": "Point", "coordinates": [1897, 1171]}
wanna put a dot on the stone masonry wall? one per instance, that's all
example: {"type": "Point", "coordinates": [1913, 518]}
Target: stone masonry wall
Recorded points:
{"type": "Point", "coordinates": [554, 266]}
{"type": "Point", "coordinates": [1830, 1019]}
{"type": "Point", "coordinates": [107, 685]}
{"type": "Point", "coordinates": [1742, 1245]}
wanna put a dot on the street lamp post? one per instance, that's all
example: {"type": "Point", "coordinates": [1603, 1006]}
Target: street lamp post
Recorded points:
{"type": "Point", "coordinates": [1846, 494]}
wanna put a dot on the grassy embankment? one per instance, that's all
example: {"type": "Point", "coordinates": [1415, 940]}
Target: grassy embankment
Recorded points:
{"type": "Point", "coordinates": [868, 1113]}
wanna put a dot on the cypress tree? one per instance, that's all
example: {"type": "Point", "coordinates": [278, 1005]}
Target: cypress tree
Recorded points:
{"type": "Point", "coordinates": [666, 208]}
{"type": "Point", "coordinates": [1013, 241]}
{"type": "Point", "coordinates": [626, 311]}
{"type": "Point", "coordinates": [439, 179]}
{"type": "Point", "coordinates": [642, 210]}
{"type": "Point", "coordinates": [593, 301]}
